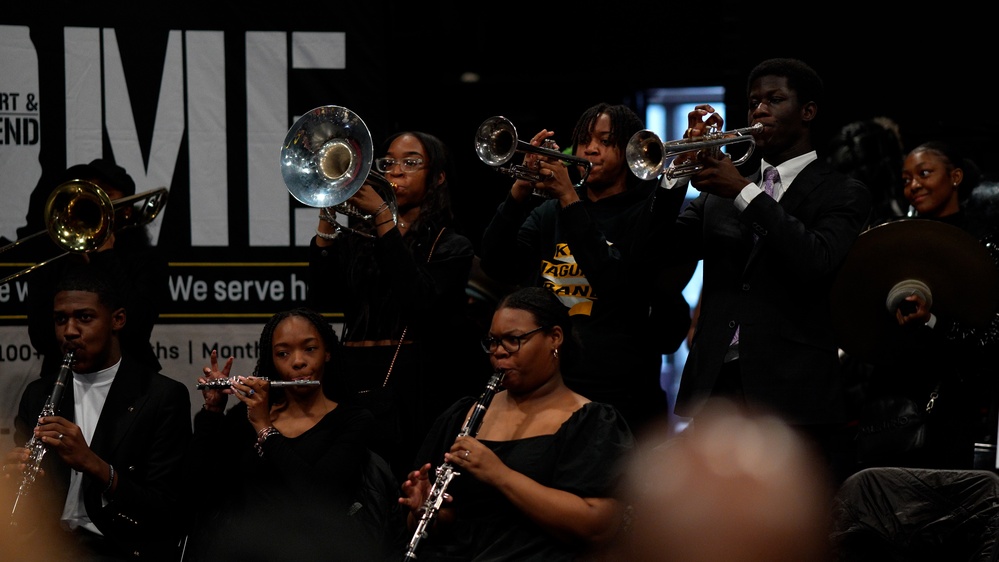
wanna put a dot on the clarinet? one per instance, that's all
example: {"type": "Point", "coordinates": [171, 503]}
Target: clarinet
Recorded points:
{"type": "Point", "coordinates": [37, 449]}
{"type": "Point", "coordinates": [446, 471]}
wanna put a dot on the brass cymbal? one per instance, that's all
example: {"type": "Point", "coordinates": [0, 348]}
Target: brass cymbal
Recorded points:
{"type": "Point", "coordinates": [954, 266]}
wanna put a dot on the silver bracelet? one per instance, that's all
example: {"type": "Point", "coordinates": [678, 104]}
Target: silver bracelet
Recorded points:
{"type": "Point", "coordinates": [379, 210]}
{"type": "Point", "coordinates": [262, 436]}
{"type": "Point", "coordinates": [110, 479]}
{"type": "Point", "coordinates": [327, 235]}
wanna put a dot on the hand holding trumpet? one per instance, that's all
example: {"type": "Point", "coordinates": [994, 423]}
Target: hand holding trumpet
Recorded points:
{"type": "Point", "coordinates": [552, 179]}
{"type": "Point", "coordinates": [717, 173]}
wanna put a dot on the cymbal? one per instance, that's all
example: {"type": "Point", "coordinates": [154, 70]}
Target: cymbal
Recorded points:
{"type": "Point", "coordinates": [952, 263]}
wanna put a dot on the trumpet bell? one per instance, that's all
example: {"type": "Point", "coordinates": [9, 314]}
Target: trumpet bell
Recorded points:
{"type": "Point", "coordinates": [496, 141]}
{"type": "Point", "coordinates": [645, 155]}
{"type": "Point", "coordinates": [326, 156]}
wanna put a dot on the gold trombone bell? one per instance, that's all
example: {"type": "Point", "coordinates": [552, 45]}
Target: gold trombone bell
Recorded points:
{"type": "Point", "coordinates": [80, 218]}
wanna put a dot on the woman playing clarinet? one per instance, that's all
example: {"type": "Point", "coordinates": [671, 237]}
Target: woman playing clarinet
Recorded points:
{"type": "Point", "coordinates": [535, 482]}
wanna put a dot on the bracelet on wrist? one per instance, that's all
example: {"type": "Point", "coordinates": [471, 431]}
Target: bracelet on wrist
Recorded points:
{"type": "Point", "coordinates": [110, 479]}
{"type": "Point", "coordinates": [576, 202]}
{"type": "Point", "coordinates": [391, 220]}
{"type": "Point", "coordinates": [379, 210]}
{"type": "Point", "coordinates": [328, 235]}
{"type": "Point", "coordinates": [262, 436]}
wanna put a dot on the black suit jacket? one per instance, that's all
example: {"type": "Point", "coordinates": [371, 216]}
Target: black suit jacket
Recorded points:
{"type": "Point", "coordinates": [143, 431]}
{"type": "Point", "coordinates": [776, 290]}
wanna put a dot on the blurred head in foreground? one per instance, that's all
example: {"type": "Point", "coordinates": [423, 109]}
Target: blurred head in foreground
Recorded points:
{"type": "Point", "coordinates": [734, 487]}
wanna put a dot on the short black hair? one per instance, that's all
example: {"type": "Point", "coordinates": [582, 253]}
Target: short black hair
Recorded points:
{"type": "Point", "coordinates": [90, 278]}
{"type": "Point", "coordinates": [801, 78]}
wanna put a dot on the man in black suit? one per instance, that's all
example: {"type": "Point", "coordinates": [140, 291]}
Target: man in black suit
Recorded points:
{"type": "Point", "coordinates": [764, 335]}
{"type": "Point", "coordinates": [109, 483]}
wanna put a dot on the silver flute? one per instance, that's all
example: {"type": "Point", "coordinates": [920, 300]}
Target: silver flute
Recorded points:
{"type": "Point", "coordinates": [218, 384]}
{"type": "Point", "coordinates": [446, 472]}
{"type": "Point", "coordinates": [37, 449]}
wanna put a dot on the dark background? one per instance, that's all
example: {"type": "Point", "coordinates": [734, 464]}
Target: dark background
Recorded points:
{"type": "Point", "coordinates": [928, 67]}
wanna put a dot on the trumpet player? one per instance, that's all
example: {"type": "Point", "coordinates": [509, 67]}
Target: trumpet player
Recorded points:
{"type": "Point", "coordinates": [772, 244]}
{"type": "Point", "coordinates": [109, 484]}
{"type": "Point", "coordinates": [586, 243]}
{"type": "Point", "coordinates": [398, 292]}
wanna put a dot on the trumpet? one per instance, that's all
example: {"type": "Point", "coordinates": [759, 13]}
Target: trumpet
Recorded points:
{"type": "Point", "coordinates": [80, 218]}
{"type": "Point", "coordinates": [647, 156]}
{"type": "Point", "coordinates": [326, 158]}
{"type": "Point", "coordinates": [496, 143]}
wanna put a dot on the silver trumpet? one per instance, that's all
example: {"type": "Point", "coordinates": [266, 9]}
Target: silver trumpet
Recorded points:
{"type": "Point", "coordinates": [37, 449]}
{"type": "Point", "coordinates": [496, 143]}
{"type": "Point", "coordinates": [446, 472]}
{"type": "Point", "coordinates": [648, 157]}
{"type": "Point", "coordinates": [220, 384]}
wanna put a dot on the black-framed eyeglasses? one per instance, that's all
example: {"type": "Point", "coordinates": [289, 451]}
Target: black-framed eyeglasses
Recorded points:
{"type": "Point", "coordinates": [384, 165]}
{"type": "Point", "coordinates": [510, 343]}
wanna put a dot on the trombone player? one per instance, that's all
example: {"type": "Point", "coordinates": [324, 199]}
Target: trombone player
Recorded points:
{"type": "Point", "coordinates": [772, 244]}
{"type": "Point", "coordinates": [128, 254]}
{"type": "Point", "coordinates": [586, 242]}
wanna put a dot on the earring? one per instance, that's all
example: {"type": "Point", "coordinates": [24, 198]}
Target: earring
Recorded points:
{"type": "Point", "coordinates": [555, 353]}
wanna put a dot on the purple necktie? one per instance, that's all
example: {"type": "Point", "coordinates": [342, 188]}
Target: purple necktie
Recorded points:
{"type": "Point", "coordinates": [770, 176]}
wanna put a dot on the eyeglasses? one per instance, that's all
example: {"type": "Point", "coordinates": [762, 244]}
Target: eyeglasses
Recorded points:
{"type": "Point", "coordinates": [510, 343]}
{"type": "Point", "coordinates": [383, 165]}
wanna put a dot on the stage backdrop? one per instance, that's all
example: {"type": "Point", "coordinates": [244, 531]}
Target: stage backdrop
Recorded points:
{"type": "Point", "coordinates": [202, 111]}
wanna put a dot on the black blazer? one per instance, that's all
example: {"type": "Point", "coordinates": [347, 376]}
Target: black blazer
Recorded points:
{"type": "Point", "coordinates": [143, 431]}
{"type": "Point", "coordinates": [776, 289]}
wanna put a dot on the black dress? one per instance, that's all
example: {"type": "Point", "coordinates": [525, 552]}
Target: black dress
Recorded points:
{"type": "Point", "coordinates": [582, 457]}
{"type": "Point", "coordinates": [319, 496]}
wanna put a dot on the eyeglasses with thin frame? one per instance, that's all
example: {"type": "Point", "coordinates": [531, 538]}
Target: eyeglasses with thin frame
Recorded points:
{"type": "Point", "coordinates": [384, 165]}
{"type": "Point", "coordinates": [510, 343]}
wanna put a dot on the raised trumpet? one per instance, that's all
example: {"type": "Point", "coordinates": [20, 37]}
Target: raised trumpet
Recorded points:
{"type": "Point", "coordinates": [80, 218]}
{"type": "Point", "coordinates": [326, 158]}
{"type": "Point", "coordinates": [648, 157]}
{"type": "Point", "coordinates": [496, 143]}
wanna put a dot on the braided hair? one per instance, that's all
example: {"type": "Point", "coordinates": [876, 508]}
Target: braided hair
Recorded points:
{"type": "Point", "coordinates": [624, 124]}
{"type": "Point", "coordinates": [265, 360]}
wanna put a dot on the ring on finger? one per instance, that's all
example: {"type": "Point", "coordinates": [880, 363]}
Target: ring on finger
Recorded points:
{"type": "Point", "coordinates": [251, 393]}
{"type": "Point", "coordinates": [467, 452]}
{"type": "Point", "coordinates": [59, 437]}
